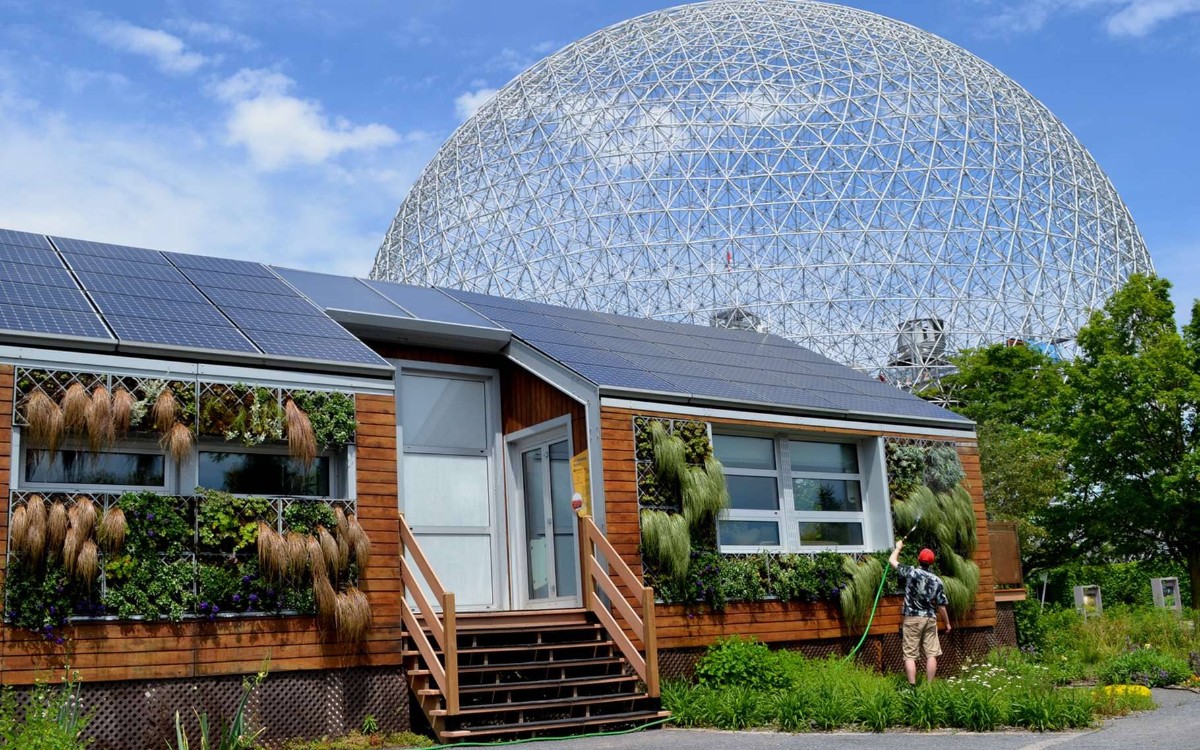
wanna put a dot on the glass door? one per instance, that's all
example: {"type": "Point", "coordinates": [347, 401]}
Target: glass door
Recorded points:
{"type": "Point", "coordinates": [549, 569]}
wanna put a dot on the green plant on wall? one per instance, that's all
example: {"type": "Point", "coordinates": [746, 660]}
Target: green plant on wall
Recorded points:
{"type": "Point", "coordinates": [258, 418]}
{"type": "Point", "coordinates": [304, 516]}
{"type": "Point", "coordinates": [158, 524]}
{"type": "Point", "coordinates": [228, 523]}
{"type": "Point", "coordinates": [41, 600]}
{"type": "Point", "coordinates": [942, 512]}
{"type": "Point", "coordinates": [688, 489]}
{"type": "Point", "coordinates": [332, 414]}
{"type": "Point", "coordinates": [152, 588]}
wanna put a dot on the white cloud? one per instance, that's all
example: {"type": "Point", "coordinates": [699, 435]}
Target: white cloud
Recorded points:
{"type": "Point", "coordinates": [280, 130]}
{"type": "Point", "coordinates": [1122, 18]}
{"type": "Point", "coordinates": [469, 102]}
{"type": "Point", "coordinates": [212, 33]}
{"type": "Point", "coordinates": [167, 51]}
{"type": "Point", "coordinates": [173, 187]}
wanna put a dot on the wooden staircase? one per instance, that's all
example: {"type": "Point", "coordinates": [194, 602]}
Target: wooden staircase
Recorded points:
{"type": "Point", "coordinates": [512, 675]}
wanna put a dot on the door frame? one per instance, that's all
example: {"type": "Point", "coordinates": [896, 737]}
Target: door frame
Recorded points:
{"type": "Point", "coordinates": [490, 377]}
{"type": "Point", "coordinates": [550, 431]}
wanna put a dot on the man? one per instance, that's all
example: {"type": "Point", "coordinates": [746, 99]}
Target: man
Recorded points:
{"type": "Point", "coordinates": [923, 591]}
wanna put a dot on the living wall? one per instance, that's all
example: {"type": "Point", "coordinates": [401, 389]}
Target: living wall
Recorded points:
{"type": "Point", "coordinates": [681, 493]}
{"type": "Point", "coordinates": [150, 556]}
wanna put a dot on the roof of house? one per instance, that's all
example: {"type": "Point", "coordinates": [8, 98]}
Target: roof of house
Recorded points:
{"type": "Point", "coordinates": [78, 294]}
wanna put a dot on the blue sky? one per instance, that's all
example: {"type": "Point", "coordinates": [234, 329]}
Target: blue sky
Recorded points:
{"type": "Point", "coordinates": [289, 131]}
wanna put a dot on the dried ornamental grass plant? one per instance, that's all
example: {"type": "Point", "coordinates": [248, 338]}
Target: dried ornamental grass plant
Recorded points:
{"type": "Point", "coordinates": [56, 529]}
{"type": "Point", "coordinates": [302, 441]}
{"type": "Point", "coordinates": [296, 553]}
{"type": "Point", "coordinates": [325, 599]}
{"type": "Point", "coordinates": [18, 525]}
{"type": "Point", "coordinates": [35, 529]}
{"type": "Point", "coordinates": [272, 553]}
{"type": "Point", "coordinates": [178, 441]}
{"type": "Point", "coordinates": [100, 429]}
{"type": "Point", "coordinates": [87, 564]}
{"type": "Point", "coordinates": [329, 551]}
{"type": "Point", "coordinates": [83, 516]}
{"type": "Point", "coordinates": [342, 538]}
{"type": "Point", "coordinates": [123, 405]}
{"type": "Point", "coordinates": [358, 542]}
{"type": "Point", "coordinates": [353, 618]}
{"type": "Point", "coordinates": [46, 424]}
{"type": "Point", "coordinates": [75, 403]}
{"type": "Point", "coordinates": [112, 529]}
{"type": "Point", "coordinates": [165, 410]}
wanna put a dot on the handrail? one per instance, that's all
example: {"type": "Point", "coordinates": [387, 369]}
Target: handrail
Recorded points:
{"type": "Point", "coordinates": [444, 630]}
{"type": "Point", "coordinates": [594, 571]}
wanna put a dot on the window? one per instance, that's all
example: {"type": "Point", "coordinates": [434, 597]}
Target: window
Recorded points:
{"type": "Point", "coordinates": [79, 468]}
{"type": "Point", "coordinates": [261, 473]}
{"type": "Point", "coordinates": [791, 494]}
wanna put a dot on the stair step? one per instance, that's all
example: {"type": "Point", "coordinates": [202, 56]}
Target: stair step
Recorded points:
{"type": "Point", "coordinates": [517, 649]}
{"type": "Point", "coordinates": [502, 708]}
{"type": "Point", "coordinates": [536, 684]}
{"type": "Point", "coordinates": [518, 666]}
{"type": "Point", "coordinates": [554, 726]}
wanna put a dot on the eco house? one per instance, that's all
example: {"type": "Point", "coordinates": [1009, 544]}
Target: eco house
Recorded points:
{"type": "Point", "coordinates": [213, 463]}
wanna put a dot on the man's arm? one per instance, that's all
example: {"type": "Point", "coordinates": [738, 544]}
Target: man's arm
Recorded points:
{"type": "Point", "coordinates": [894, 560]}
{"type": "Point", "coordinates": [946, 616]}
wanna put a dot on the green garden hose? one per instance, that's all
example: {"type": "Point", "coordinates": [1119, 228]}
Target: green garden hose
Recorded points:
{"type": "Point", "coordinates": [527, 740]}
{"type": "Point", "coordinates": [871, 619]}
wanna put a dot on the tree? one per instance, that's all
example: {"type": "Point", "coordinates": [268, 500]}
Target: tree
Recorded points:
{"type": "Point", "coordinates": [1015, 394]}
{"type": "Point", "coordinates": [1133, 402]}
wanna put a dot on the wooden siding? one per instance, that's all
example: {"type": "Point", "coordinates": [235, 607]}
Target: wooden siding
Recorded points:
{"type": "Point", "coordinates": [132, 650]}
{"type": "Point", "coordinates": [769, 621]}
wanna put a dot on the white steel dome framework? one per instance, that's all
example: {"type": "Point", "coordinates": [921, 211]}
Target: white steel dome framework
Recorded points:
{"type": "Point", "coordinates": [858, 185]}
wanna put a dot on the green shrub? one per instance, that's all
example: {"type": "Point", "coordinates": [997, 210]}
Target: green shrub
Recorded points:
{"type": "Point", "coordinates": [878, 706]}
{"type": "Point", "coordinates": [792, 710]}
{"type": "Point", "coordinates": [1145, 666]}
{"type": "Point", "coordinates": [53, 719]}
{"type": "Point", "coordinates": [735, 661]}
{"type": "Point", "coordinates": [926, 706]}
{"type": "Point", "coordinates": [741, 707]}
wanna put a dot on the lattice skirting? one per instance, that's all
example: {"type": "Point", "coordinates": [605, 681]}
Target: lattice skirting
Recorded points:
{"type": "Point", "coordinates": [881, 652]}
{"type": "Point", "coordinates": [141, 714]}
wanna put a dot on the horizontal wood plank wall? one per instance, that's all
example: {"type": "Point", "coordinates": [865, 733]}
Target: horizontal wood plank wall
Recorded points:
{"type": "Point", "coordinates": [769, 621]}
{"type": "Point", "coordinates": [130, 650]}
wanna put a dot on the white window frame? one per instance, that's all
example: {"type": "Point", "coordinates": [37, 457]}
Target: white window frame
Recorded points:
{"type": "Point", "coordinates": [139, 445]}
{"type": "Point", "coordinates": [785, 514]}
{"type": "Point", "coordinates": [341, 466]}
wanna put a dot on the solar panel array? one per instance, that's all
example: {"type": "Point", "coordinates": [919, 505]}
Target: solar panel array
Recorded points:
{"type": "Point", "coordinates": [647, 355]}
{"type": "Point", "coordinates": [270, 312]}
{"type": "Point", "coordinates": [58, 285]}
{"type": "Point", "coordinates": [38, 294]}
{"type": "Point", "coordinates": [148, 300]}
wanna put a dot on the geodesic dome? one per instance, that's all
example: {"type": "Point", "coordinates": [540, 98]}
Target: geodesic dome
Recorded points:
{"type": "Point", "coordinates": [858, 185]}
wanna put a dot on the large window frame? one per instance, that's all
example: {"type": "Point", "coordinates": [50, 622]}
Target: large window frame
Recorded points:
{"type": "Point", "coordinates": [142, 446]}
{"type": "Point", "coordinates": [785, 514]}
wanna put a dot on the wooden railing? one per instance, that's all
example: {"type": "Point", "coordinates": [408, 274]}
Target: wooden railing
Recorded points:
{"type": "Point", "coordinates": [443, 629]}
{"type": "Point", "coordinates": [593, 572]}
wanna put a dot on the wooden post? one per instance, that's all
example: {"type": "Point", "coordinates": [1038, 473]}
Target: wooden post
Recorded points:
{"type": "Point", "coordinates": [450, 652]}
{"type": "Point", "coordinates": [586, 584]}
{"type": "Point", "coordinates": [650, 641]}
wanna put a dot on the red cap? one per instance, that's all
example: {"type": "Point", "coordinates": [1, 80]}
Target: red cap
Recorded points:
{"type": "Point", "coordinates": [926, 555]}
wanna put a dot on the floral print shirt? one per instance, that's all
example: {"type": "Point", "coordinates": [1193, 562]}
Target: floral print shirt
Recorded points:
{"type": "Point", "coordinates": [923, 592]}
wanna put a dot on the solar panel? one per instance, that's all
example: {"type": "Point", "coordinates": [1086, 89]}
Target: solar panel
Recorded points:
{"type": "Point", "coordinates": [348, 349]}
{"type": "Point", "coordinates": [123, 268]}
{"type": "Point", "coordinates": [572, 355]}
{"type": "Point", "coordinates": [340, 292]}
{"type": "Point", "coordinates": [33, 255]}
{"type": "Point", "coordinates": [619, 377]}
{"type": "Point", "coordinates": [179, 334]}
{"type": "Point", "coordinates": [534, 334]}
{"type": "Point", "coordinates": [26, 319]}
{"type": "Point", "coordinates": [24, 239]}
{"type": "Point", "coordinates": [712, 387]}
{"type": "Point", "coordinates": [104, 250]}
{"type": "Point", "coordinates": [14, 293]}
{"type": "Point", "coordinates": [140, 288]}
{"type": "Point", "coordinates": [220, 265]}
{"type": "Point", "coordinates": [145, 307]}
{"type": "Point", "coordinates": [256, 284]}
{"type": "Point", "coordinates": [430, 304]}
{"type": "Point", "coordinates": [25, 273]}
{"type": "Point", "coordinates": [293, 305]}
{"type": "Point", "coordinates": [301, 325]}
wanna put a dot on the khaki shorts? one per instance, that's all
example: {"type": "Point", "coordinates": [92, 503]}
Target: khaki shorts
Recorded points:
{"type": "Point", "coordinates": [920, 633]}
